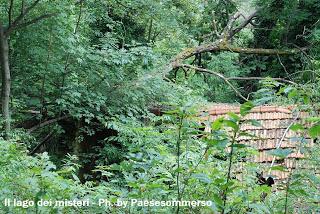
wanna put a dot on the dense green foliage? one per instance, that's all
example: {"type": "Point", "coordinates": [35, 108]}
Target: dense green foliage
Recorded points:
{"type": "Point", "coordinates": [94, 116]}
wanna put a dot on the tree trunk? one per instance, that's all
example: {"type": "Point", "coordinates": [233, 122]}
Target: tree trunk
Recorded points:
{"type": "Point", "coordinates": [5, 71]}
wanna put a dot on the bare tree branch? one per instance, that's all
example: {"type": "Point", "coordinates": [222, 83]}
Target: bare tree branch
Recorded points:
{"type": "Point", "coordinates": [225, 79]}
{"type": "Point", "coordinates": [284, 67]}
{"type": "Point", "coordinates": [10, 12]}
{"type": "Point", "coordinates": [228, 28]}
{"type": "Point", "coordinates": [35, 20]}
{"type": "Point", "coordinates": [278, 145]}
{"type": "Point", "coordinates": [242, 25]}
{"type": "Point", "coordinates": [262, 78]}
{"type": "Point", "coordinates": [20, 17]}
{"type": "Point", "coordinates": [214, 29]}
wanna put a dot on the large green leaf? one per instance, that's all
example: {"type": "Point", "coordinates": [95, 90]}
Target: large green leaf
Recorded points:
{"type": "Point", "coordinates": [281, 153]}
{"type": "Point", "coordinates": [245, 108]}
{"type": "Point", "coordinates": [314, 131]}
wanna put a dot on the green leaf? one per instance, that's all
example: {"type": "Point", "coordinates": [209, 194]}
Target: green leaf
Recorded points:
{"type": "Point", "coordinates": [154, 185]}
{"type": "Point", "coordinates": [203, 177]}
{"type": "Point", "coordinates": [263, 100]}
{"type": "Point", "coordinates": [245, 108]}
{"type": "Point", "coordinates": [255, 122]}
{"type": "Point", "coordinates": [278, 168]}
{"type": "Point", "coordinates": [306, 99]}
{"type": "Point", "coordinates": [220, 144]}
{"type": "Point", "coordinates": [217, 200]}
{"type": "Point", "coordinates": [287, 89]}
{"type": "Point", "coordinates": [298, 192]}
{"type": "Point", "coordinates": [227, 185]}
{"type": "Point", "coordinates": [314, 131]}
{"type": "Point", "coordinates": [293, 93]}
{"type": "Point", "coordinates": [313, 119]}
{"type": "Point", "coordinates": [247, 134]}
{"type": "Point", "coordinates": [231, 124]}
{"type": "Point", "coordinates": [217, 124]}
{"type": "Point", "coordinates": [281, 153]}
{"type": "Point", "coordinates": [296, 127]}
{"type": "Point", "coordinates": [235, 117]}
{"type": "Point", "coordinates": [297, 139]}
{"type": "Point", "coordinates": [239, 145]}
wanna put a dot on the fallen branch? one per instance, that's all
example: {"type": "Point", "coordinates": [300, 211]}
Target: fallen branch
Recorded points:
{"type": "Point", "coordinates": [35, 149]}
{"type": "Point", "coordinates": [225, 79]}
{"type": "Point", "coordinates": [45, 123]}
{"type": "Point", "coordinates": [220, 45]}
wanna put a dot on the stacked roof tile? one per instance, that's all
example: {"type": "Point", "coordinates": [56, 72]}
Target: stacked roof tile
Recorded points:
{"type": "Point", "coordinates": [272, 134]}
